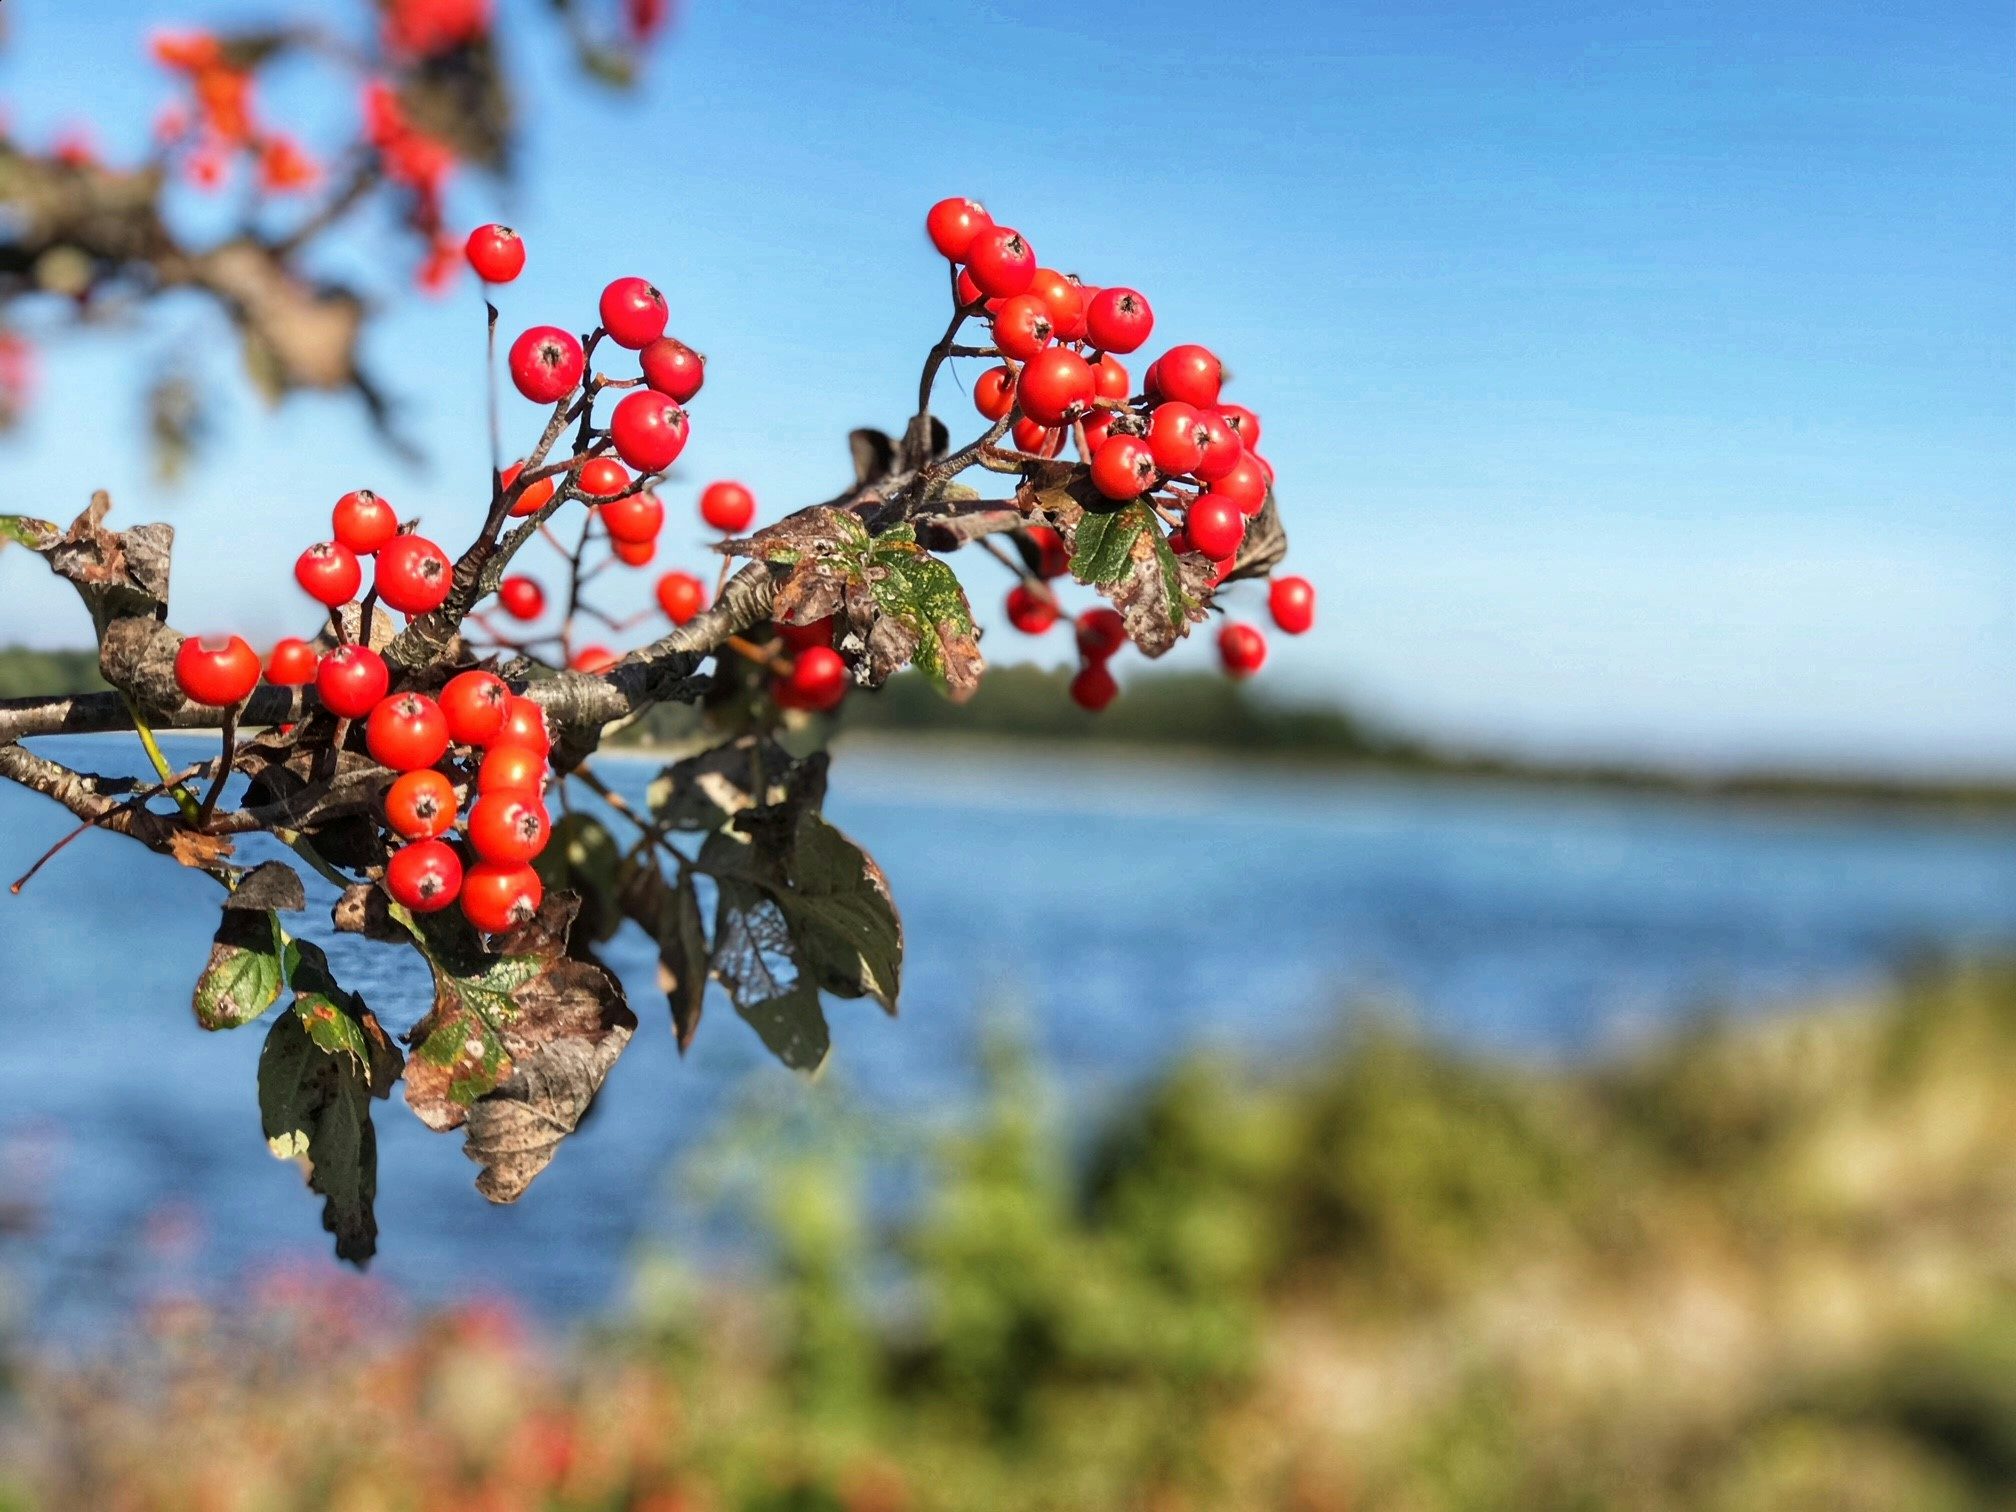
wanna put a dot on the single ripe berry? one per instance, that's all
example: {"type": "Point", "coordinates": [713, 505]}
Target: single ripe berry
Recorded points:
{"type": "Point", "coordinates": [635, 520]}
{"type": "Point", "coordinates": [602, 478]}
{"type": "Point", "coordinates": [1245, 485]}
{"type": "Point", "coordinates": [218, 670]}
{"type": "Point", "coordinates": [425, 876]}
{"type": "Point", "coordinates": [511, 769]}
{"type": "Point", "coordinates": [363, 521]}
{"type": "Point", "coordinates": [474, 704]}
{"type": "Point", "coordinates": [1215, 526]}
{"type": "Point", "coordinates": [1052, 560]}
{"type": "Point", "coordinates": [818, 632]}
{"type": "Point", "coordinates": [994, 394]}
{"type": "Point", "coordinates": [673, 368]}
{"type": "Point", "coordinates": [421, 805]}
{"type": "Point", "coordinates": [1244, 423]}
{"type": "Point", "coordinates": [414, 575]}
{"type": "Point", "coordinates": [496, 253]}
{"type": "Point", "coordinates": [546, 363]}
{"type": "Point", "coordinates": [1031, 611]}
{"type": "Point", "coordinates": [1221, 446]}
{"type": "Point", "coordinates": [1056, 387]}
{"type": "Point", "coordinates": [818, 679]}
{"type": "Point", "coordinates": [1022, 327]}
{"type": "Point", "coordinates": [1094, 688]}
{"type": "Point", "coordinates": [498, 897]}
{"type": "Point", "coordinates": [522, 598]}
{"type": "Point", "coordinates": [508, 826]}
{"type": "Point", "coordinates": [1292, 602]}
{"type": "Point", "coordinates": [1173, 439]}
{"type": "Point", "coordinates": [1001, 263]}
{"type": "Point", "coordinates": [1242, 649]}
{"type": "Point", "coordinates": [350, 681]}
{"type": "Point", "coordinates": [328, 573]}
{"type": "Point", "coordinates": [649, 430]}
{"type": "Point", "coordinates": [1109, 378]}
{"type": "Point", "coordinates": [1063, 301]}
{"type": "Point", "coordinates": [681, 595]}
{"type": "Point", "coordinates": [727, 506]}
{"type": "Point", "coordinates": [524, 725]}
{"type": "Point", "coordinates": [406, 732]}
{"type": "Point", "coordinates": [1038, 440]}
{"type": "Point", "coordinates": [1118, 320]}
{"type": "Point", "coordinates": [634, 553]}
{"type": "Point", "coordinates": [292, 663]}
{"type": "Point", "coordinates": [535, 496]}
{"type": "Point", "coordinates": [1123, 467]}
{"type": "Point", "coordinates": [968, 293]}
{"type": "Point", "coordinates": [633, 313]}
{"type": "Point", "coordinates": [1101, 633]}
{"type": "Point", "coordinates": [1190, 373]}
{"type": "Point", "coordinates": [593, 660]}
{"type": "Point", "coordinates": [1091, 433]}
{"type": "Point", "coordinates": [953, 223]}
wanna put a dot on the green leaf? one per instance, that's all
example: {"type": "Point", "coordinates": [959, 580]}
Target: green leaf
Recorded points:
{"type": "Point", "coordinates": [245, 972]}
{"type": "Point", "coordinates": [315, 1105]}
{"type": "Point", "coordinates": [923, 595]}
{"type": "Point", "coordinates": [1103, 550]}
{"type": "Point", "coordinates": [1128, 558]}
{"type": "Point", "coordinates": [755, 960]}
{"type": "Point", "coordinates": [669, 911]}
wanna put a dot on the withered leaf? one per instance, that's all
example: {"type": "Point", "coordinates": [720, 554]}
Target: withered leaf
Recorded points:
{"type": "Point", "coordinates": [924, 596]}
{"type": "Point", "coordinates": [25, 530]}
{"type": "Point", "coordinates": [269, 885]}
{"type": "Point", "coordinates": [118, 574]}
{"type": "Point", "coordinates": [197, 850]}
{"type": "Point", "coordinates": [669, 911]}
{"type": "Point", "coordinates": [1127, 557]}
{"type": "Point", "coordinates": [755, 959]}
{"type": "Point", "coordinates": [582, 857]}
{"type": "Point", "coordinates": [817, 551]}
{"type": "Point", "coordinates": [1265, 546]}
{"type": "Point", "coordinates": [702, 792]}
{"type": "Point", "coordinates": [363, 909]}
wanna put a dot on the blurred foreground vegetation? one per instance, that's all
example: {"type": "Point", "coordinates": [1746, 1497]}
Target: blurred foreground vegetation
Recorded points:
{"type": "Point", "coordinates": [1771, 1266]}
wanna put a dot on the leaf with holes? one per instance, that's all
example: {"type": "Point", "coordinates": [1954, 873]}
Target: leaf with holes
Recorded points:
{"type": "Point", "coordinates": [756, 960]}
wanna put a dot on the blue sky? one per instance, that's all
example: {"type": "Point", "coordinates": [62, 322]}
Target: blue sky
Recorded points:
{"type": "Point", "coordinates": [1639, 378]}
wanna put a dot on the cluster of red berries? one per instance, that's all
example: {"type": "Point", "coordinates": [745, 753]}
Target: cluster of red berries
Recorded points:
{"type": "Point", "coordinates": [1179, 441]}
{"type": "Point", "coordinates": [410, 573]}
{"type": "Point", "coordinates": [218, 121]}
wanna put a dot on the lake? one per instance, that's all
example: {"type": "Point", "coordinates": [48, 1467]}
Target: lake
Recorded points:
{"type": "Point", "coordinates": [1122, 914]}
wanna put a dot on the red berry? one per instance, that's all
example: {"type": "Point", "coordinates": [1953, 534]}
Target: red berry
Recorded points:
{"type": "Point", "coordinates": [1118, 320]}
{"type": "Point", "coordinates": [1039, 440]}
{"type": "Point", "coordinates": [1093, 688]}
{"type": "Point", "coordinates": [1056, 387]}
{"type": "Point", "coordinates": [602, 477]}
{"type": "Point", "coordinates": [535, 496]}
{"type": "Point", "coordinates": [350, 681]}
{"type": "Point", "coordinates": [1245, 485]}
{"type": "Point", "coordinates": [546, 363]}
{"type": "Point", "coordinates": [994, 394]}
{"type": "Point", "coordinates": [673, 368]}
{"type": "Point", "coordinates": [292, 663]}
{"type": "Point", "coordinates": [1215, 526]}
{"type": "Point", "coordinates": [522, 598]}
{"type": "Point", "coordinates": [1101, 633]}
{"type": "Point", "coordinates": [1031, 611]}
{"type": "Point", "coordinates": [953, 223]}
{"type": "Point", "coordinates": [424, 876]}
{"type": "Point", "coordinates": [498, 897]}
{"type": "Point", "coordinates": [1022, 327]}
{"type": "Point", "coordinates": [1063, 301]}
{"type": "Point", "coordinates": [406, 732]}
{"type": "Point", "coordinates": [1244, 423]}
{"type": "Point", "coordinates": [1123, 467]}
{"type": "Point", "coordinates": [511, 769]}
{"type": "Point", "coordinates": [474, 704]}
{"type": "Point", "coordinates": [636, 519]}
{"type": "Point", "coordinates": [329, 573]}
{"type": "Point", "coordinates": [524, 725]}
{"type": "Point", "coordinates": [1053, 560]}
{"type": "Point", "coordinates": [817, 632]}
{"type": "Point", "coordinates": [1190, 373]}
{"type": "Point", "coordinates": [421, 805]}
{"type": "Point", "coordinates": [496, 253]}
{"type": "Point", "coordinates": [1292, 602]}
{"type": "Point", "coordinates": [1242, 649]}
{"type": "Point", "coordinates": [681, 595]}
{"type": "Point", "coordinates": [1221, 446]}
{"type": "Point", "coordinates": [509, 826]}
{"type": "Point", "coordinates": [969, 293]}
{"type": "Point", "coordinates": [634, 553]}
{"type": "Point", "coordinates": [633, 313]}
{"type": "Point", "coordinates": [649, 430]}
{"type": "Point", "coordinates": [414, 575]}
{"type": "Point", "coordinates": [218, 670]}
{"type": "Point", "coordinates": [817, 680]}
{"type": "Point", "coordinates": [1091, 433]}
{"type": "Point", "coordinates": [593, 660]}
{"type": "Point", "coordinates": [363, 521]}
{"type": "Point", "coordinates": [1001, 262]}
{"type": "Point", "coordinates": [1109, 378]}
{"type": "Point", "coordinates": [727, 506]}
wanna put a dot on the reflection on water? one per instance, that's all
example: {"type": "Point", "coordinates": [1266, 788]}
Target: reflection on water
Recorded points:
{"type": "Point", "coordinates": [1131, 913]}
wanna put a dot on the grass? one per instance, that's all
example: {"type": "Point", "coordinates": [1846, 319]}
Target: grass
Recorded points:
{"type": "Point", "coordinates": [1767, 1266]}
